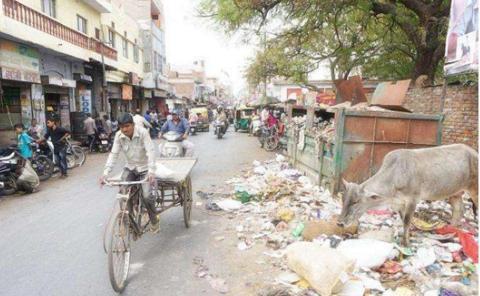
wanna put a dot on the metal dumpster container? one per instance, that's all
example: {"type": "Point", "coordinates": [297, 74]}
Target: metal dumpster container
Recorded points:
{"type": "Point", "coordinates": [362, 139]}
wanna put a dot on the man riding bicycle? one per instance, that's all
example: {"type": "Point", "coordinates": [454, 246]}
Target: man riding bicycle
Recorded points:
{"type": "Point", "coordinates": [139, 152]}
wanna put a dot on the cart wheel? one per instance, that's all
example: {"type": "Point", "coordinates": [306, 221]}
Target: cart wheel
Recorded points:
{"type": "Point", "coordinates": [187, 201]}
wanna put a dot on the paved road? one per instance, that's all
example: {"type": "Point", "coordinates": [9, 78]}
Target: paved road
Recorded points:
{"type": "Point", "coordinates": [51, 241]}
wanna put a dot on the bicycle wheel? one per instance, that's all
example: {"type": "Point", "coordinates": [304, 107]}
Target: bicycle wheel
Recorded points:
{"type": "Point", "coordinates": [119, 252]}
{"type": "Point", "coordinates": [43, 166]}
{"type": "Point", "coordinates": [271, 143]}
{"type": "Point", "coordinates": [80, 156]}
{"type": "Point", "coordinates": [187, 201]}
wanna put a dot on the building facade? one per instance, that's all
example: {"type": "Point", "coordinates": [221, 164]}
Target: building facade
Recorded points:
{"type": "Point", "coordinates": [62, 59]}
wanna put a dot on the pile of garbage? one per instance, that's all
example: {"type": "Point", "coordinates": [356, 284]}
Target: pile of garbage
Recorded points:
{"type": "Point", "coordinates": [278, 208]}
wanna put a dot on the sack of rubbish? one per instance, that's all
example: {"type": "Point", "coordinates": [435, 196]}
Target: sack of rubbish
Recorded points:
{"type": "Point", "coordinates": [367, 253]}
{"type": "Point", "coordinates": [162, 172]}
{"type": "Point", "coordinates": [314, 229]}
{"type": "Point", "coordinates": [325, 269]}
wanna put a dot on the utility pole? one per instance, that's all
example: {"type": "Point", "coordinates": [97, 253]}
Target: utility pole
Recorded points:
{"type": "Point", "coordinates": [105, 106]}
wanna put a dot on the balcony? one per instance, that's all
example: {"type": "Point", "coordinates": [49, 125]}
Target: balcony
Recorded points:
{"type": "Point", "coordinates": [44, 23]}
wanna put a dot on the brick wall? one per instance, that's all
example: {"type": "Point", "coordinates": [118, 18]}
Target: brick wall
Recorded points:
{"type": "Point", "coordinates": [461, 111]}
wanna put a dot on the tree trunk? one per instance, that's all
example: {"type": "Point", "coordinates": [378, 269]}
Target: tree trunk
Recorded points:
{"type": "Point", "coordinates": [426, 63]}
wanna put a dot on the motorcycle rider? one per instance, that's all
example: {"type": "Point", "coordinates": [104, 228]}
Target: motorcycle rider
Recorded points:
{"type": "Point", "coordinates": [222, 117]}
{"type": "Point", "coordinates": [137, 147]}
{"type": "Point", "coordinates": [180, 126]}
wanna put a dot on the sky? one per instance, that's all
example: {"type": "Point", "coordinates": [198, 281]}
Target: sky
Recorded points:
{"type": "Point", "coordinates": [190, 38]}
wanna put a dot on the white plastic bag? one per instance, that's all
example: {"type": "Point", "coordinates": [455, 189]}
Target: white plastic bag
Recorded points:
{"type": "Point", "coordinates": [367, 253]}
{"type": "Point", "coordinates": [325, 269]}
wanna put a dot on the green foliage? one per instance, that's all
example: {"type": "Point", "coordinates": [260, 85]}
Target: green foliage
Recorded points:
{"type": "Point", "coordinates": [384, 39]}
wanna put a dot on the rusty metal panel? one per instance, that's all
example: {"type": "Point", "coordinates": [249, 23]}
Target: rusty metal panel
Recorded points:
{"type": "Point", "coordinates": [365, 137]}
{"type": "Point", "coordinates": [391, 95]}
{"type": "Point", "coordinates": [350, 90]}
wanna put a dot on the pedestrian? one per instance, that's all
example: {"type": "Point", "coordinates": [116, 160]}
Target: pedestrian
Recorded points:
{"type": "Point", "coordinates": [90, 129]}
{"type": "Point", "coordinates": [35, 130]}
{"type": "Point", "coordinates": [140, 121]}
{"type": "Point", "coordinates": [58, 135]}
{"type": "Point", "coordinates": [107, 125]}
{"type": "Point", "coordinates": [155, 116]}
{"type": "Point", "coordinates": [24, 141]}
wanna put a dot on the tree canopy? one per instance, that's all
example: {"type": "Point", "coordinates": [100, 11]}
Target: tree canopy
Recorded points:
{"type": "Point", "coordinates": [387, 39]}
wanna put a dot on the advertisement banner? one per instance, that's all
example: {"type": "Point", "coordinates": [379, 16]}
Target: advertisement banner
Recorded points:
{"type": "Point", "coordinates": [26, 106]}
{"type": "Point", "coordinates": [85, 100]}
{"type": "Point", "coordinates": [38, 105]}
{"type": "Point", "coordinates": [19, 62]}
{"type": "Point", "coordinates": [461, 53]}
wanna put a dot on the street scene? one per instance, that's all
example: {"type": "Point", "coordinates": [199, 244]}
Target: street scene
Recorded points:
{"type": "Point", "coordinates": [237, 147]}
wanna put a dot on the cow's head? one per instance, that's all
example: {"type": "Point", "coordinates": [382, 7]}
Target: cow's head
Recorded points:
{"type": "Point", "coordinates": [356, 201]}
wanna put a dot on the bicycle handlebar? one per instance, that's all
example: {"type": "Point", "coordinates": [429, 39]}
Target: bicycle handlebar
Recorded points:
{"type": "Point", "coordinates": [123, 183]}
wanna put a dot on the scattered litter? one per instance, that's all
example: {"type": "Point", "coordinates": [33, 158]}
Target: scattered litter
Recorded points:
{"type": "Point", "coordinates": [367, 253]}
{"type": "Point", "coordinates": [325, 269]}
{"type": "Point", "coordinates": [229, 205]}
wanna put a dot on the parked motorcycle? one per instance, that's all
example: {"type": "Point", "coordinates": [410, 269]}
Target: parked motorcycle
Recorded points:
{"type": "Point", "coordinates": [219, 128]}
{"type": "Point", "coordinates": [256, 127]}
{"type": "Point", "coordinates": [47, 150]}
{"type": "Point", "coordinates": [42, 165]}
{"type": "Point", "coordinates": [173, 146]}
{"type": "Point", "coordinates": [16, 173]}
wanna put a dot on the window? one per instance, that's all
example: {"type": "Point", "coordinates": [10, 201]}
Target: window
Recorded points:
{"type": "Point", "coordinates": [81, 24]}
{"type": "Point", "coordinates": [135, 52]}
{"type": "Point", "coordinates": [97, 33]}
{"type": "Point", "coordinates": [48, 7]}
{"type": "Point", "coordinates": [125, 47]}
{"type": "Point", "coordinates": [111, 38]}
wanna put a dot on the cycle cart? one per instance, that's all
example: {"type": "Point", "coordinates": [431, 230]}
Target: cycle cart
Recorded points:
{"type": "Point", "coordinates": [129, 221]}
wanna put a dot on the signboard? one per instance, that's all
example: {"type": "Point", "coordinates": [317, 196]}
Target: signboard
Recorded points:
{"type": "Point", "coordinates": [38, 105]}
{"type": "Point", "coordinates": [64, 111]}
{"type": "Point", "coordinates": [19, 62]}
{"type": "Point", "coordinates": [127, 92]}
{"type": "Point", "coordinates": [85, 100]}
{"type": "Point", "coordinates": [461, 53]}
{"type": "Point", "coordinates": [26, 106]}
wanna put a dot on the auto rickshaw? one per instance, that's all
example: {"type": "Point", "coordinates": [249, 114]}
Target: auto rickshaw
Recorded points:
{"type": "Point", "coordinates": [243, 118]}
{"type": "Point", "coordinates": [203, 125]}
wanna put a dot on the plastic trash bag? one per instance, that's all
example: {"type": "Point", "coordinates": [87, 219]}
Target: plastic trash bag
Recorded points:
{"type": "Point", "coordinates": [324, 268]}
{"type": "Point", "coordinates": [367, 253]}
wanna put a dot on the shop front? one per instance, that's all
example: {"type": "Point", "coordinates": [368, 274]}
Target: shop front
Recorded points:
{"type": "Point", "coordinates": [58, 94]}
{"type": "Point", "coordinates": [19, 72]}
{"type": "Point", "coordinates": [159, 102]}
{"type": "Point", "coordinates": [120, 99]}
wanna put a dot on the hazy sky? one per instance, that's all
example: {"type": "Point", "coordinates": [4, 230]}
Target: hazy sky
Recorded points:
{"type": "Point", "coordinates": [189, 38]}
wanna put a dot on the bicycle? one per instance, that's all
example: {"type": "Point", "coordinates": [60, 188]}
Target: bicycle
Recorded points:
{"type": "Point", "coordinates": [130, 220]}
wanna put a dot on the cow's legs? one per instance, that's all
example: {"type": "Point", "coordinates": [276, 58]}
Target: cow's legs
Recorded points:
{"type": "Point", "coordinates": [474, 196]}
{"type": "Point", "coordinates": [457, 208]}
{"type": "Point", "coordinates": [407, 218]}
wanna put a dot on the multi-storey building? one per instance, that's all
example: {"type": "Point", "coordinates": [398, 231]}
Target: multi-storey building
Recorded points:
{"type": "Point", "coordinates": [52, 58]}
{"type": "Point", "coordinates": [151, 18]}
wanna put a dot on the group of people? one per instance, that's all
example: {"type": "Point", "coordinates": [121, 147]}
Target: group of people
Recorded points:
{"type": "Point", "coordinates": [273, 119]}
{"type": "Point", "coordinates": [57, 134]}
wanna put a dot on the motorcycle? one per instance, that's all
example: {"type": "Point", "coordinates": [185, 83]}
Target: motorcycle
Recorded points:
{"type": "Point", "coordinates": [101, 143]}
{"type": "Point", "coordinates": [173, 146]}
{"type": "Point", "coordinates": [47, 150]}
{"type": "Point", "coordinates": [193, 128]}
{"type": "Point", "coordinates": [16, 173]}
{"type": "Point", "coordinates": [41, 164]}
{"type": "Point", "coordinates": [219, 128]}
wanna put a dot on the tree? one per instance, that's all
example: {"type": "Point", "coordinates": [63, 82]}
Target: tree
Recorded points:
{"type": "Point", "coordinates": [395, 38]}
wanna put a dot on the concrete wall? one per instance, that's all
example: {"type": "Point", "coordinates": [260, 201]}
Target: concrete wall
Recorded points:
{"type": "Point", "coordinates": [460, 109]}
